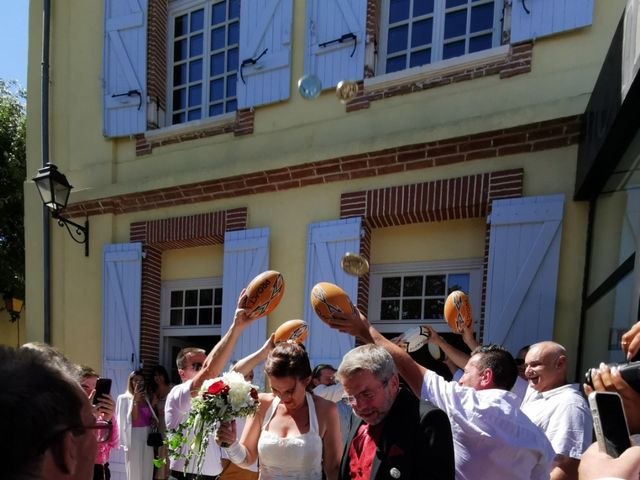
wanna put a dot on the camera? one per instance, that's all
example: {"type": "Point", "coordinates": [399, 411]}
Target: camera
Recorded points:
{"type": "Point", "coordinates": [630, 373]}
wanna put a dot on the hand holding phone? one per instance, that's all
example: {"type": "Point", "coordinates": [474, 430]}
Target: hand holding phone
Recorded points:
{"type": "Point", "coordinates": [103, 387]}
{"type": "Point", "coordinates": [609, 422]}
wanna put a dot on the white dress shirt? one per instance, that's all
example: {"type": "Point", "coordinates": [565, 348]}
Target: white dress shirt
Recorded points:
{"type": "Point", "coordinates": [492, 438]}
{"type": "Point", "coordinates": [564, 415]}
{"type": "Point", "coordinates": [176, 411]}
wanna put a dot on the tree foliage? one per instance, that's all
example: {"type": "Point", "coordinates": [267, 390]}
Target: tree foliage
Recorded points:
{"type": "Point", "coordinates": [12, 175]}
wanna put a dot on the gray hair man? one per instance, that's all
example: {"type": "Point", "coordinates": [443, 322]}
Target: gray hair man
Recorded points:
{"type": "Point", "coordinates": [393, 434]}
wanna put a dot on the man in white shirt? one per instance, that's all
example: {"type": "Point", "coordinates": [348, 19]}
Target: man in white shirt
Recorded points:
{"type": "Point", "coordinates": [557, 407]}
{"type": "Point", "coordinates": [325, 386]}
{"type": "Point", "coordinates": [492, 438]}
{"type": "Point", "coordinates": [194, 368]}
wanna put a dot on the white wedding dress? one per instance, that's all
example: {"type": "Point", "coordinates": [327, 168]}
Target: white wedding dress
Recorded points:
{"type": "Point", "coordinates": [289, 458]}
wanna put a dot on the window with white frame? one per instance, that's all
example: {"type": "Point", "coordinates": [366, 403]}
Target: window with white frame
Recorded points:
{"type": "Point", "coordinates": [202, 59]}
{"type": "Point", "coordinates": [192, 303]}
{"type": "Point", "coordinates": [403, 295]}
{"type": "Point", "coordinates": [421, 32]}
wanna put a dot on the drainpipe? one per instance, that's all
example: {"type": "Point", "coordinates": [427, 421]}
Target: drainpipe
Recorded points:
{"type": "Point", "coordinates": [44, 119]}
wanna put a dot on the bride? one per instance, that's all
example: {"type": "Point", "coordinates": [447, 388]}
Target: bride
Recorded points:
{"type": "Point", "coordinates": [294, 434]}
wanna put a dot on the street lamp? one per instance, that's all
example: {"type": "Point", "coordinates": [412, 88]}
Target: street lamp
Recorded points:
{"type": "Point", "coordinates": [54, 190]}
{"type": "Point", "coordinates": [13, 306]}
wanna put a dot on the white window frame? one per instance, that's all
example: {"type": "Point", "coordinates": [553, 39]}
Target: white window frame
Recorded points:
{"type": "Point", "coordinates": [181, 7]}
{"type": "Point", "coordinates": [472, 266]}
{"type": "Point", "coordinates": [167, 330]}
{"type": "Point", "coordinates": [438, 34]}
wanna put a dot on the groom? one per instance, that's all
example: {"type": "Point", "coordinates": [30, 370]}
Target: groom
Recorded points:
{"type": "Point", "coordinates": [393, 434]}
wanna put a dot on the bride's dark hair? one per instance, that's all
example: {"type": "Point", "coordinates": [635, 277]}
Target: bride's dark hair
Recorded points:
{"type": "Point", "coordinates": [288, 360]}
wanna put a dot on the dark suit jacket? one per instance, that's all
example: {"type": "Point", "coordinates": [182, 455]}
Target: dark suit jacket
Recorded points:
{"type": "Point", "coordinates": [416, 441]}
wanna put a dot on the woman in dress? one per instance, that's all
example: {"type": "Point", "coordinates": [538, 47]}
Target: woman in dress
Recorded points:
{"type": "Point", "coordinates": [294, 434]}
{"type": "Point", "coordinates": [135, 418]}
{"type": "Point", "coordinates": [161, 386]}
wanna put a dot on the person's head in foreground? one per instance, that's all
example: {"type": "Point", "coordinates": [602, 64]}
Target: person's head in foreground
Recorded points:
{"type": "Point", "coordinates": [289, 373]}
{"type": "Point", "coordinates": [490, 366]}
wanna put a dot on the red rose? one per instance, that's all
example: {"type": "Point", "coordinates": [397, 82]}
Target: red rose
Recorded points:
{"type": "Point", "coordinates": [254, 393]}
{"type": "Point", "coordinates": [216, 388]}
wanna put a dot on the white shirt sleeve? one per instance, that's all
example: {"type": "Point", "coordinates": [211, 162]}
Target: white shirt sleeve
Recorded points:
{"type": "Point", "coordinates": [569, 429]}
{"type": "Point", "coordinates": [333, 393]}
{"type": "Point", "coordinates": [178, 404]}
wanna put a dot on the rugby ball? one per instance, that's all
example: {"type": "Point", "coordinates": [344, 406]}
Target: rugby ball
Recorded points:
{"type": "Point", "coordinates": [263, 294]}
{"type": "Point", "coordinates": [328, 299]}
{"type": "Point", "coordinates": [291, 331]}
{"type": "Point", "coordinates": [414, 338]}
{"type": "Point", "coordinates": [457, 311]}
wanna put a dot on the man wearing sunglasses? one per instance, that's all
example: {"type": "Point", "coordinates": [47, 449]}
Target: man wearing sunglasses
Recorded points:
{"type": "Point", "coordinates": [194, 367]}
{"type": "Point", "coordinates": [48, 430]}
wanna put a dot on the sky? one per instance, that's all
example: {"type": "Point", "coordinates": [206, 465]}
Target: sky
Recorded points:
{"type": "Point", "coordinates": [14, 40]}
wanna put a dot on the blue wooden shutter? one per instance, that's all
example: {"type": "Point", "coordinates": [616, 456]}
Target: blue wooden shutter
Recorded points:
{"type": "Point", "coordinates": [524, 253]}
{"type": "Point", "coordinates": [265, 25]}
{"type": "Point", "coordinates": [548, 17]}
{"type": "Point", "coordinates": [327, 242]}
{"type": "Point", "coordinates": [124, 67]}
{"type": "Point", "coordinates": [328, 20]}
{"type": "Point", "coordinates": [246, 254]}
{"type": "Point", "coordinates": [121, 290]}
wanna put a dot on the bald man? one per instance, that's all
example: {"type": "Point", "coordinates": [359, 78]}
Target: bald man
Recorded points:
{"type": "Point", "coordinates": [557, 407]}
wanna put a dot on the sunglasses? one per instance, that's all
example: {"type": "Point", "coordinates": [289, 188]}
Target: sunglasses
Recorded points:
{"type": "Point", "coordinates": [196, 366]}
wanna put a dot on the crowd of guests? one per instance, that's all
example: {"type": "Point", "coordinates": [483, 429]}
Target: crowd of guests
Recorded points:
{"type": "Point", "coordinates": [379, 415]}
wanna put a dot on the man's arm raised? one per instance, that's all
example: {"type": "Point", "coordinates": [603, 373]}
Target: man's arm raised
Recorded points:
{"type": "Point", "coordinates": [358, 326]}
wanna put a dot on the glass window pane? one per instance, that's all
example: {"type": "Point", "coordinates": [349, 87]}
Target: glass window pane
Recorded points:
{"type": "Point", "coordinates": [390, 310]}
{"type": "Point", "coordinates": [218, 296]}
{"type": "Point", "coordinates": [206, 296]}
{"type": "Point", "coordinates": [177, 118]}
{"type": "Point", "coordinates": [216, 109]}
{"type": "Point", "coordinates": [179, 50]}
{"type": "Point", "coordinates": [455, 24]}
{"type": "Point", "coordinates": [206, 316]}
{"type": "Point", "coordinates": [176, 298]}
{"type": "Point", "coordinates": [216, 91]}
{"type": "Point", "coordinates": [194, 114]}
{"type": "Point", "coordinates": [411, 309]}
{"type": "Point", "coordinates": [191, 316]}
{"type": "Point", "coordinates": [217, 39]}
{"type": "Point", "coordinates": [195, 45]}
{"type": "Point", "coordinates": [180, 25]}
{"type": "Point", "coordinates": [234, 9]}
{"type": "Point", "coordinates": [458, 281]}
{"type": "Point", "coordinates": [233, 33]}
{"type": "Point", "coordinates": [217, 316]}
{"type": "Point", "coordinates": [218, 13]}
{"type": "Point", "coordinates": [197, 20]}
{"type": "Point", "coordinates": [398, 10]}
{"type": "Point", "coordinates": [191, 298]}
{"type": "Point", "coordinates": [423, 57]}
{"type": "Point", "coordinates": [482, 17]}
{"type": "Point", "coordinates": [391, 286]}
{"type": "Point", "coordinates": [175, 317]}
{"type": "Point", "coordinates": [217, 64]}
{"type": "Point", "coordinates": [433, 309]}
{"type": "Point", "coordinates": [232, 60]}
{"type": "Point", "coordinates": [435, 285]}
{"type": "Point", "coordinates": [455, 3]}
{"type": "Point", "coordinates": [195, 95]}
{"type": "Point", "coordinates": [195, 71]}
{"type": "Point", "coordinates": [422, 7]}
{"type": "Point", "coordinates": [396, 63]}
{"type": "Point", "coordinates": [179, 99]}
{"type": "Point", "coordinates": [231, 86]}
{"type": "Point", "coordinates": [397, 39]}
{"type": "Point", "coordinates": [179, 74]}
{"type": "Point", "coordinates": [412, 286]}
{"type": "Point", "coordinates": [477, 44]}
{"type": "Point", "coordinates": [421, 33]}
{"type": "Point", "coordinates": [455, 49]}
{"type": "Point", "coordinates": [232, 106]}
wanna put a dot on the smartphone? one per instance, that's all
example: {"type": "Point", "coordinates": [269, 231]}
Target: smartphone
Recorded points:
{"type": "Point", "coordinates": [103, 386]}
{"type": "Point", "coordinates": [609, 422]}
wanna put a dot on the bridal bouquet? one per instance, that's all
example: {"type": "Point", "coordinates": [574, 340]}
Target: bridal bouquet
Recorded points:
{"type": "Point", "coordinates": [219, 400]}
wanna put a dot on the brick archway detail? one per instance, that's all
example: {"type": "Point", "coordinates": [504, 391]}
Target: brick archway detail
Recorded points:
{"type": "Point", "coordinates": [439, 200]}
{"type": "Point", "coordinates": [157, 236]}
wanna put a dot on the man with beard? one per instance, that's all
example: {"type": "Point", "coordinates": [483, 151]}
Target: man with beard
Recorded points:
{"type": "Point", "coordinates": [393, 434]}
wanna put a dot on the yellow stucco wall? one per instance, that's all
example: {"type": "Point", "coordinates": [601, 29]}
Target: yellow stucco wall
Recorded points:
{"type": "Point", "coordinates": [289, 133]}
